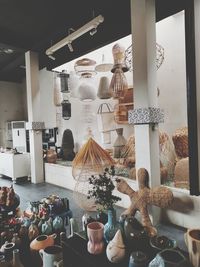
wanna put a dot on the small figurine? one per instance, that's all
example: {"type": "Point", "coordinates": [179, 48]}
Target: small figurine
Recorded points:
{"type": "Point", "coordinates": [160, 196]}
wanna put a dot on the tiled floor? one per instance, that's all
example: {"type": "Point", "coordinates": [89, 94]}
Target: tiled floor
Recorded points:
{"type": "Point", "coordinates": [31, 192]}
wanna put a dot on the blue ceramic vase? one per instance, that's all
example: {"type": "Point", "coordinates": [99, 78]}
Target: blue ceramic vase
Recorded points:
{"type": "Point", "coordinates": [111, 227]}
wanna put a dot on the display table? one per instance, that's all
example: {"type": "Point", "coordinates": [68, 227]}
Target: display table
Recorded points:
{"type": "Point", "coordinates": [75, 254]}
{"type": "Point", "coordinates": [15, 165]}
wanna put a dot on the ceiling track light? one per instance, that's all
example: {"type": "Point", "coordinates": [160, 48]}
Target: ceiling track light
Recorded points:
{"type": "Point", "coordinates": [51, 57]}
{"type": "Point", "coordinates": [91, 27]}
{"type": "Point", "coordinates": [70, 47]}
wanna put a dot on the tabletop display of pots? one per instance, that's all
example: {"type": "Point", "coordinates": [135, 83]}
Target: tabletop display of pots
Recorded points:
{"type": "Point", "coordinates": [115, 250]}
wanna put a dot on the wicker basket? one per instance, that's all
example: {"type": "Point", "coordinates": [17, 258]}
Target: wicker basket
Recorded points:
{"type": "Point", "coordinates": [180, 140]}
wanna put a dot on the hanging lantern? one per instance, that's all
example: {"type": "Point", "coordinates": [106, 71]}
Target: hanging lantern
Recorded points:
{"type": "Point", "coordinates": [64, 81]}
{"type": "Point", "coordinates": [118, 85]}
{"type": "Point", "coordinates": [85, 68]}
{"type": "Point", "coordinates": [66, 109]}
{"type": "Point", "coordinates": [118, 52]}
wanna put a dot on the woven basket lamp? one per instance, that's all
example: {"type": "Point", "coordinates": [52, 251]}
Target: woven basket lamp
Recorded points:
{"type": "Point", "coordinates": [118, 85]}
{"type": "Point", "coordinates": [91, 160]}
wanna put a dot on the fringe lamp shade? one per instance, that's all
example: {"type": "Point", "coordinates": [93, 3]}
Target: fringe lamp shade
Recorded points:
{"type": "Point", "coordinates": [91, 159]}
{"type": "Point", "coordinates": [118, 85]}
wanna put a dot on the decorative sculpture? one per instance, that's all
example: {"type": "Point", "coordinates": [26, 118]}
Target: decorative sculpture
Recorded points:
{"type": "Point", "coordinates": [159, 196]}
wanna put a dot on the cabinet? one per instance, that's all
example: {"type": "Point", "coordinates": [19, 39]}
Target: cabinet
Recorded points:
{"type": "Point", "coordinates": [15, 165]}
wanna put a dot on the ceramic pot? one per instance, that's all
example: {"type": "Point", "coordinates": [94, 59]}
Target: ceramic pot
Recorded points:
{"type": "Point", "coordinates": [95, 244]}
{"type": "Point", "coordinates": [138, 259]}
{"type": "Point", "coordinates": [42, 241]}
{"type": "Point", "coordinates": [111, 226]}
{"type": "Point", "coordinates": [135, 233]}
{"type": "Point", "coordinates": [162, 242]}
{"type": "Point", "coordinates": [3, 262]}
{"type": "Point", "coordinates": [51, 156]}
{"type": "Point", "coordinates": [192, 240]}
{"type": "Point", "coordinates": [16, 240]}
{"type": "Point", "coordinates": [7, 249]}
{"type": "Point", "coordinates": [119, 143]}
{"type": "Point", "coordinates": [16, 259]}
{"type": "Point", "coordinates": [51, 256]}
{"type": "Point", "coordinates": [58, 223]}
{"type": "Point", "coordinates": [115, 250]}
{"type": "Point", "coordinates": [33, 231]}
{"type": "Point", "coordinates": [169, 258]}
{"type": "Point", "coordinates": [47, 228]}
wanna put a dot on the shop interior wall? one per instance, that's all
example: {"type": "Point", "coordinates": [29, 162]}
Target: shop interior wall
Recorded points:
{"type": "Point", "coordinates": [11, 107]}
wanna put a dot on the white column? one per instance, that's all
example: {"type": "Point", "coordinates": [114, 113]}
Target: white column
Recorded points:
{"type": "Point", "coordinates": [145, 90]}
{"type": "Point", "coordinates": [197, 52]}
{"type": "Point", "coordinates": [33, 103]}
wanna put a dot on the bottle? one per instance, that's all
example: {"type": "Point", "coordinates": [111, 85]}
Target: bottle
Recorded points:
{"type": "Point", "coordinates": [16, 260]}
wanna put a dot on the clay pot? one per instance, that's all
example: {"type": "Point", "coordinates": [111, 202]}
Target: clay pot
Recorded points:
{"type": "Point", "coordinates": [42, 241]}
{"type": "Point", "coordinates": [51, 156]}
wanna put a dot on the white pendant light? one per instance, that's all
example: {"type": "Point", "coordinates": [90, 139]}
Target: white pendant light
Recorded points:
{"type": "Point", "coordinates": [86, 92]}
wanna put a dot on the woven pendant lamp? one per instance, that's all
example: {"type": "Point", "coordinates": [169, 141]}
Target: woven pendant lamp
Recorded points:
{"type": "Point", "coordinates": [91, 158]}
{"type": "Point", "coordinates": [118, 85]}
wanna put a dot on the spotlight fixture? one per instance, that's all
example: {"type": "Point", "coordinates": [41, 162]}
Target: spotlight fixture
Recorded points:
{"type": "Point", "coordinates": [70, 47]}
{"type": "Point", "coordinates": [90, 26]}
{"type": "Point", "coordinates": [93, 31]}
{"type": "Point", "coordinates": [51, 57]}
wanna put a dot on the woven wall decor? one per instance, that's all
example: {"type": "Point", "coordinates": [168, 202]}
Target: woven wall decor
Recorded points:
{"type": "Point", "coordinates": [91, 158]}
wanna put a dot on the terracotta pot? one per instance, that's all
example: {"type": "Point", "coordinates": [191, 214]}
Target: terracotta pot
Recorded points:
{"type": "Point", "coordinates": [42, 241]}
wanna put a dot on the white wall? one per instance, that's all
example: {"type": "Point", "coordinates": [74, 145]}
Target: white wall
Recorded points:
{"type": "Point", "coordinates": [171, 77]}
{"type": "Point", "coordinates": [11, 106]}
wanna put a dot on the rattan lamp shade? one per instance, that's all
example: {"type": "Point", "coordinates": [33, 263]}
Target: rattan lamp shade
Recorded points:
{"type": "Point", "coordinates": [91, 158]}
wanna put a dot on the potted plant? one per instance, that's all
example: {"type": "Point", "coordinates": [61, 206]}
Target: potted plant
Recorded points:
{"type": "Point", "coordinates": [101, 190]}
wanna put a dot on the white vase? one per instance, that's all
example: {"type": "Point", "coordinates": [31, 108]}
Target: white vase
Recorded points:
{"type": "Point", "coordinates": [115, 250]}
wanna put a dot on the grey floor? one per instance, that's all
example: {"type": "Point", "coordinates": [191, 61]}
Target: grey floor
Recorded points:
{"type": "Point", "coordinates": [33, 192]}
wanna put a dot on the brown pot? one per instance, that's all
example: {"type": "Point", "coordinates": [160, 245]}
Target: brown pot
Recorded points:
{"type": "Point", "coordinates": [51, 156]}
{"type": "Point", "coordinates": [42, 241]}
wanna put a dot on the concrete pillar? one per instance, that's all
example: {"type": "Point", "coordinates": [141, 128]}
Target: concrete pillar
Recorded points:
{"type": "Point", "coordinates": [33, 104]}
{"type": "Point", "coordinates": [145, 90]}
{"type": "Point", "coordinates": [197, 52]}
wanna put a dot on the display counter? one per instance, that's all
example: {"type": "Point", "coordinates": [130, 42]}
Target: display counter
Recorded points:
{"type": "Point", "coordinates": [61, 174]}
{"type": "Point", "coordinates": [15, 165]}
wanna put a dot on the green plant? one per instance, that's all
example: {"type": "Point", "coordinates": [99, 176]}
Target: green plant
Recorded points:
{"type": "Point", "coordinates": [101, 189]}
